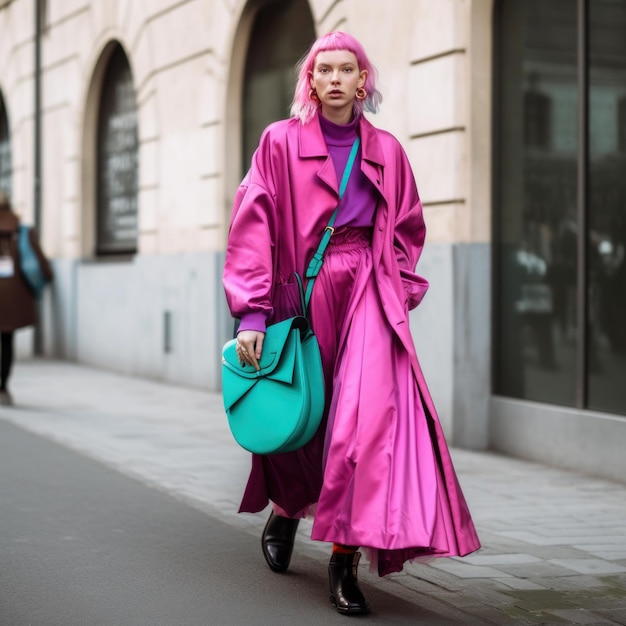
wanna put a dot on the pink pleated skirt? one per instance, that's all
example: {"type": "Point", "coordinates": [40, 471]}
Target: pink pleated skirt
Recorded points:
{"type": "Point", "coordinates": [378, 473]}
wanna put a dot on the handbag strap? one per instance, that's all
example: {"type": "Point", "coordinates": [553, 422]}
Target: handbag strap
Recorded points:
{"type": "Point", "coordinates": [318, 258]}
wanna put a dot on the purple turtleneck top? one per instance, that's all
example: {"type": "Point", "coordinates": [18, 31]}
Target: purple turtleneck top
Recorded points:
{"type": "Point", "coordinates": [359, 201]}
{"type": "Point", "coordinates": [360, 198]}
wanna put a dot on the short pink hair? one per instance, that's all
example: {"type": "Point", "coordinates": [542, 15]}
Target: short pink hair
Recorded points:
{"type": "Point", "coordinates": [303, 107]}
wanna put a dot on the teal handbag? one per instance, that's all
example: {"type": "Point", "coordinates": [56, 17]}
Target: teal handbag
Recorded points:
{"type": "Point", "coordinates": [279, 408]}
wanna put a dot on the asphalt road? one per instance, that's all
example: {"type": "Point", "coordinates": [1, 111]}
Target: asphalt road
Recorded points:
{"type": "Point", "coordinates": [82, 544]}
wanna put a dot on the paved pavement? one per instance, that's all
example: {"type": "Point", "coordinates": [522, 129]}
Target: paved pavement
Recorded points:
{"type": "Point", "coordinates": [554, 542]}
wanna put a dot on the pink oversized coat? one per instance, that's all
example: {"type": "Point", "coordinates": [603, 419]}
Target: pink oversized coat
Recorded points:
{"type": "Point", "coordinates": [394, 489]}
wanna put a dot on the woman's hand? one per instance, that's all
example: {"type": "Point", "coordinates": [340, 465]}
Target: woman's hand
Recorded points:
{"type": "Point", "coordinates": [250, 347]}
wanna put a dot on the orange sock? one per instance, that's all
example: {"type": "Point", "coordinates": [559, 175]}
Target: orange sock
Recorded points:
{"type": "Point", "coordinates": [339, 548]}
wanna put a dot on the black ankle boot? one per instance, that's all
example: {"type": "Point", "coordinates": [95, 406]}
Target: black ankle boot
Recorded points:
{"type": "Point", "coordinates": [345, 592]}
{"type": "Point", "coordinates": [277, 541]}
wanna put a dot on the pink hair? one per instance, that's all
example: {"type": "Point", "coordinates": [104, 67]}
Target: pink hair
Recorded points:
{"type": "Point", "coordinates": [303, 107]}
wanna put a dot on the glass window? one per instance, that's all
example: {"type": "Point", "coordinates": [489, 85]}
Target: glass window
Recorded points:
{"type": "Point", "coordinates": [536, 251]}
{"type": "Point", "coordinates": [281, 34]}
{"type": "Point", "coordinates": [543, 352]}
{"type": "Point", "coordinates": [621, 123]}
{"type": "Point", "coordinates": [117, 160]}
{"type": "Point", "coordinates": [607, 206]}
{"type": "Point", "coordinates": [5, 150]}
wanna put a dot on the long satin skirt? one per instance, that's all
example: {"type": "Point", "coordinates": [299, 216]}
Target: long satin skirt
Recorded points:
{"type": "Point", "coordinates": [378, 473]}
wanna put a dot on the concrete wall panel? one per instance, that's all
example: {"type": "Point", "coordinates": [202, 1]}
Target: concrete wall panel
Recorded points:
{"type": "Point", "coordinates": [587, 441]}
{"type": "Point", "coordinates": [432, 325]}
{"type": "Point", "coordinates": [121, 317]}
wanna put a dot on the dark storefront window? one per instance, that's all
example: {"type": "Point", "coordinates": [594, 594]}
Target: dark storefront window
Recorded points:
{"type": "Point", "coordinates": [561, 202]}
{"type": "Point", "coordinates": [117, 160]}
{"type": "Point", "coordinates": [5, 150]}
{"type": "Point", "coordinates": [607, 206]}
{"type": "Point", "coordinates": [282, 32]}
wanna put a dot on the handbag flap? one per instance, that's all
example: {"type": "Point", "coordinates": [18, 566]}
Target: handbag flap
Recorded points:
{"type": "Point", "coordinates": [277, 360]}
{"type": "Point", "coordinates": [275, 337]}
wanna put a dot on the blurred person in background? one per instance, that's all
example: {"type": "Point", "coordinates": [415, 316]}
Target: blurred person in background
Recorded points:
{"type": "Point", "coordinates": [18, 303]}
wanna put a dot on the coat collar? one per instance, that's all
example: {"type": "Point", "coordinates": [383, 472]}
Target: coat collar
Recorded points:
{"type": "Point", "coordinates": [313, 144]}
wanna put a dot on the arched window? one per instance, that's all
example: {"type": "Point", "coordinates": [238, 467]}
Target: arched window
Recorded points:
{"type": "Point", "coordinates": [117, 176]}
{"type": "Point", "coordinates": [5, 150]}
{"type": "Point", "coordinates": [282, 32]}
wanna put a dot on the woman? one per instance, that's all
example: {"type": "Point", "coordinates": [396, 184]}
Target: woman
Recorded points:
{"type": "Point", "coordinates": [377, 474]}
{"type": "Point", "coordinates": [18, 306]}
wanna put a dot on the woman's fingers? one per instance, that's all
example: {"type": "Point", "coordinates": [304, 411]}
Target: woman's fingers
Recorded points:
{"type": "Point", "coordinates": [258, 350]}
{"type": "Point", "coordinates": [250, 347]}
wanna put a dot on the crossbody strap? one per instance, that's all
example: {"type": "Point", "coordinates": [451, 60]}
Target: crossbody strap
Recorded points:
{"type": "Point", "coordinates": [318, 258]}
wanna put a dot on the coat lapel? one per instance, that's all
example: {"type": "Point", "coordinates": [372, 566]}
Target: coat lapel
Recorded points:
{"type": "Point", "coordinates": [313, 146]}
{"type": "Point", "coordinates": [372, 157]}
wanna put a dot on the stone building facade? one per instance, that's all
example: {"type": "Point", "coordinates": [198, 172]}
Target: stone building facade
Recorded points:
{"type": "Point", "coordinates": [147, 116]}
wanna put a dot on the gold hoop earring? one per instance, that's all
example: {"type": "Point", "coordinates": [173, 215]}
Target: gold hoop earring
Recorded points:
{"type": "Point", "coordinates": [361, 94]}
{"type": "Point", "coordinates": [313, 95]}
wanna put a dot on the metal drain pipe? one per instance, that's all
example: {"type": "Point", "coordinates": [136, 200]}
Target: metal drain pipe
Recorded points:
{"type": "Point", "coordinates": [38, 336]}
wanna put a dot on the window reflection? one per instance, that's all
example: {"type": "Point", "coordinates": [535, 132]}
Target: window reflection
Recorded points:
{"type": "Point", "coordinates": [539, 234]}
{"type": "Point", "coordinates": [607, 206]}
{"type": "Point", "coordinates": [537, 115]}
{"type": "Point", "coordinates": [536, 352]}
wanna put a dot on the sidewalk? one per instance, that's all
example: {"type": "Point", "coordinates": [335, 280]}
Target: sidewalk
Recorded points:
{"type": "Point", "coordinates": [554, 542]}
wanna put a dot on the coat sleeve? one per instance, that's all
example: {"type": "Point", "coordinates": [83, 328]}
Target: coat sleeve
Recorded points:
{"type": "Point", "coordinates": [409, 231]}
{"type": "Point", "coordinates": [248, 267]}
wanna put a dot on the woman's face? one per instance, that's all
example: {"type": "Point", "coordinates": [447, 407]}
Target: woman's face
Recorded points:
{"type": "Point", "coordinates": [335, 78]}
